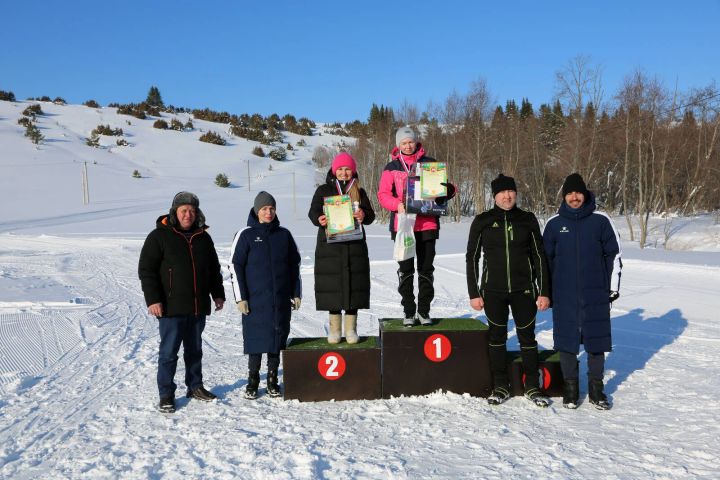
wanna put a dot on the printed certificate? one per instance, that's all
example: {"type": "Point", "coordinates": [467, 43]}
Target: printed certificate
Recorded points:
{"type": "Point", "coordinates": [432, 175]}
{"type": "Point", "coordinates": [339, 213]}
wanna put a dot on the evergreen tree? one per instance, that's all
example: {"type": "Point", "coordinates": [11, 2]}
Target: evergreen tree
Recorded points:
{"type": "Point", "coordinates": [153, 97]}
{"type": "Point", "coordinates": [526, 109]}
{"type": "Point", "coordinates": [33, 133]}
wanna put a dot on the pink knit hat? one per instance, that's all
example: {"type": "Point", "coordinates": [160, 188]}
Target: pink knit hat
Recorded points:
{"type": "Point", "coordinates": [343, 159]}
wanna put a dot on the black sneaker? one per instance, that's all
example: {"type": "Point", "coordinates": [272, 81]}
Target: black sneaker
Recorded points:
{"type": "Point", "coordinates": [571, 394]}
{"type": "Point", "coordinates": [536, 396]}
{"type": "Point", "coordinates": [596, 395]}
{"type": "Point", "coordinates": [273, 388]}
{"type": "Point", "coordinates": [424, 319]}
{"type": "Point", "coordinates": [167, 405]}
{"type": "Point", "coordinates": [201, 394]}
{"type": "Point", "coordinates": [498, 396]}
{"type": "Point", "coordinates": [251, 389]}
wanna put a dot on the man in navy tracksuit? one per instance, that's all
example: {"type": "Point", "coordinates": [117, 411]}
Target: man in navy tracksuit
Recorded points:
{"type": "Point", "coordinates": [583, 251]}
{"type": "Point", "coordinates": [506, 269]}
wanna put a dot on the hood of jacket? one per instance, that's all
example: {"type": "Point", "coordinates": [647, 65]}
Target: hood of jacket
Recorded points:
{"type": "Point", "coordinates": [166, 221]}
{"type": "Point", "coordinates": [585, 210]}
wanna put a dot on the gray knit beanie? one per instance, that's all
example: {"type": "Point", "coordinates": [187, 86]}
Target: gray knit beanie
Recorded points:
{"type": "Point", "coordinates": [403, 133]}
{"type": "Point", "coordinates": [263, 199]}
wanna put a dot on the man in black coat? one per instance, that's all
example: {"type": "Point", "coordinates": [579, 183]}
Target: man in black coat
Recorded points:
{"type": "Point", "coordinates": [513, 275]}
{"type": "Point", "coordinates": [179, 272]}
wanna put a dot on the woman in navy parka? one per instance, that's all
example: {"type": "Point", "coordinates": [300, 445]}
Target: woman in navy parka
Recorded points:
{"type": "Point", "coordinates": [265, 275]}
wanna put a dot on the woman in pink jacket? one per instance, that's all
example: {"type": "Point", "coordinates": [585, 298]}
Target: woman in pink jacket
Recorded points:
{"type": "Point", "coordinates": [391, 193]}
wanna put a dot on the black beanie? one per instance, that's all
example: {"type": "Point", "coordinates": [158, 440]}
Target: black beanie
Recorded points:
{"type": "Point", "coordinates": [502, 183]}
{"type": "Point", "coordinates": [574, 183]}
{"type": "Point", "coordinates": [263, 199]}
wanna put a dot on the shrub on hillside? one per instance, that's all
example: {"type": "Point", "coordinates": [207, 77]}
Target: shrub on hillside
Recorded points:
{"type": "Point", "coordinates": [121, 142]}
{"type": "Point", "coordinates": [92, 104]}
{"type": "Point", "coordinates": [176, 124]}
{"type": "Point", "coordinates": [161, 124]}
{"type": "Point", "coordinates": [212, 116]}
{"type": "Point", "coordinates": [44, 98]}
{"type": "Point", "coordinates": [7, 96]}
{"type": "Point", "coordinates": [107, 130]}
{"type": "Point", "coordinates": [189, 125]}
{"type": "Point", "coordinates": [93, 140]}
{"type": "Point", "coordinates": [24, 121]}
{"type": "Point", "coordinates": [33, 110]}
{"type": "Point", "coordinates": [289, 146]}
{"type": "Point", "coordinates": [212, 137]}
{"type": "Point", "coordinates": [136, 174]}
{"type": "Point", "coordinates": [221, 180]}
{"type": "Point", "coordinates": [301, 143]}
{"type": "Point", "coordinates": [130, 109]}
{"type": "Point", "coordinates": [59, 101]}
{"type": "Point", "coordinates": [278, 154]}
{"type": "Point", "coordinates": [258, 151]}
{"type": "Point", "coordinates": [33, 133]}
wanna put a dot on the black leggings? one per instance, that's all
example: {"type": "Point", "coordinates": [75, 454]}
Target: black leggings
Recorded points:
{"type": "Point", "coordinates": [425, 254]}
{"type": "Point", "coordinates": [524, 308]}
{"type": "Point", "coordinates": [273, 362]}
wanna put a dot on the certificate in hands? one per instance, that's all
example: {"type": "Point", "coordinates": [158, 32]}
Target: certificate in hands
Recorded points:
{"type": "Point", "coordinates": [432, 176]}
{"type": "Point", "coordinates": [339, 213]}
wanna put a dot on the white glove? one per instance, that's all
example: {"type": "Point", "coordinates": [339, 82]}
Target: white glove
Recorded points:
{"type": "Point", "coordinates": [243, 307]}
{"type": "Point", "coordinates": [296, 303]}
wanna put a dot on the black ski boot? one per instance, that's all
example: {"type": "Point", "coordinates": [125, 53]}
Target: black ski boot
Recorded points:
{"type": "Point", "coordinates": [536, 396]}
{"type": "Point", "coordinates": [571, 394]}
{"type": "Point", "coordinates": [597, 396]}
{"type": "Point", "coordinates": [273, 389]}
{"type": "Point", "coordinates": [251, 390]}
{"type": "Point", "coordinates": [167, 405]}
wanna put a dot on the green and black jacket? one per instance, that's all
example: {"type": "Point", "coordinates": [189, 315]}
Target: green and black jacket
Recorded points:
{"type": "Point", "coordinates": [505, 254]}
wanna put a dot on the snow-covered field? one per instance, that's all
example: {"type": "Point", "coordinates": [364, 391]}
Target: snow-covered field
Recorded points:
{"type": "Point", "coordinates": [78, 351]}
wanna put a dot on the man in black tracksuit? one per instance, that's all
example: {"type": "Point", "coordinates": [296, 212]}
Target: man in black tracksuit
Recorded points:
{"type": "Point", "coordinates": [513, 274]}
{"type": "Point", "coordinates": [180, 273]}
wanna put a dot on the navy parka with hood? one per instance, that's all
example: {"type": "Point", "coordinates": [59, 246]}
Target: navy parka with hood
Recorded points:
{"type": "Point", "coordinates": [265, 271]}
{"type": "Point", "coordinates": [583, 251]}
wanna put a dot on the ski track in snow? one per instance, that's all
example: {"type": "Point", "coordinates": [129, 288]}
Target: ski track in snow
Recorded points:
{"type": "Point", "coordinates": [78, 388]}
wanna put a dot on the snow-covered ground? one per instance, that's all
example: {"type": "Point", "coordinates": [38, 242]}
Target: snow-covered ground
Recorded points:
{"type": "Point", "coordinates": [78, 351]}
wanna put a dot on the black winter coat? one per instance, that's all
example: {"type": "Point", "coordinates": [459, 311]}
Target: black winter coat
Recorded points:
{"type": "Point", "coordinates": [513, 258]}
{"type": "Point", "coordinates": [265, 271]}
{"type": "Point", "coordinates": [181, 274]}
{"type": "Point", "coordinates": [583, 250]}
{"type": "Point", "coordinates": [342, 270]}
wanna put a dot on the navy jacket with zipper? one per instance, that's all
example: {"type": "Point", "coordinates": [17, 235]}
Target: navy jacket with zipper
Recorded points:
{"type": "Point", "coordinates": [183, 274]}
{"type": "Point", "coordinates": [265, 271]}
{"type": "Point", "coordinates": [510, 246]}
{"type": "Point", "coordinates": [583, 251]}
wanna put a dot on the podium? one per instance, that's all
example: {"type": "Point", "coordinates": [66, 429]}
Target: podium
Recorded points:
{"type": "Point", "coordinates": [450, 355]}
{"type": "Point", "coordinates": [551, 378]}
{"type": "Point", "coordinates": [314, 370]}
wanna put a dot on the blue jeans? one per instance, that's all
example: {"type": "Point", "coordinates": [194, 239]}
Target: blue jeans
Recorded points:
{"type": "Point", "coordinates": [185, 329]}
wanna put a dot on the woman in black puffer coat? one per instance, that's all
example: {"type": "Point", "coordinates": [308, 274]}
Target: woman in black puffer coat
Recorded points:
{"type": "Point", "coordinates": [342, 269]}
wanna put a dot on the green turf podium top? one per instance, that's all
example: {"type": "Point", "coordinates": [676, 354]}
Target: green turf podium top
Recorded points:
{"type": "Point", "coordinates": [447, 324]}
{"type": "Point", "coordinates": [321, 343]}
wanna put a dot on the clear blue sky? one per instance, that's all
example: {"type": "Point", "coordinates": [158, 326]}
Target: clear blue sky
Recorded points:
{"type": "Point", "coordinates": [330, 60]}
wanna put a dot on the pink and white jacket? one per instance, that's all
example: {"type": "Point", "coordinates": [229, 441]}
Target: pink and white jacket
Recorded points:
{"type": "Point", "coordinates": [392, 188]}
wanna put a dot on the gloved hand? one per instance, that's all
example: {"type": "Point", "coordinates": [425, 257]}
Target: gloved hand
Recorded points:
{"type": "Point", "coordinates": [614, 295]}
{"type": "Point", "coordinates": [296, 303]}
{"type": "Point", "coordinates": [243, 307]}
{"type": "Point", "coordinates": [450, 194]}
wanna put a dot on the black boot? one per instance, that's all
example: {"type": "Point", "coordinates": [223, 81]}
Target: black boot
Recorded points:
{"type": "Point", "coordinates": [571, 394]}
{"type": "Point", "coordinates": [251, 390]}
{"type": "Point", "coordinates": [273, 389]}
{"type": "Point", "coordinates": [597, 396]}
{"type": "Point", "coordinates": [201, 394]}
{"type": "Point", "coordinates": [167, 405]}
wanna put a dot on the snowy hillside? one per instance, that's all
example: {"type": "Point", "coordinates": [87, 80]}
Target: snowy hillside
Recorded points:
{"type": "Point", "coordinates": [78, 351]}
